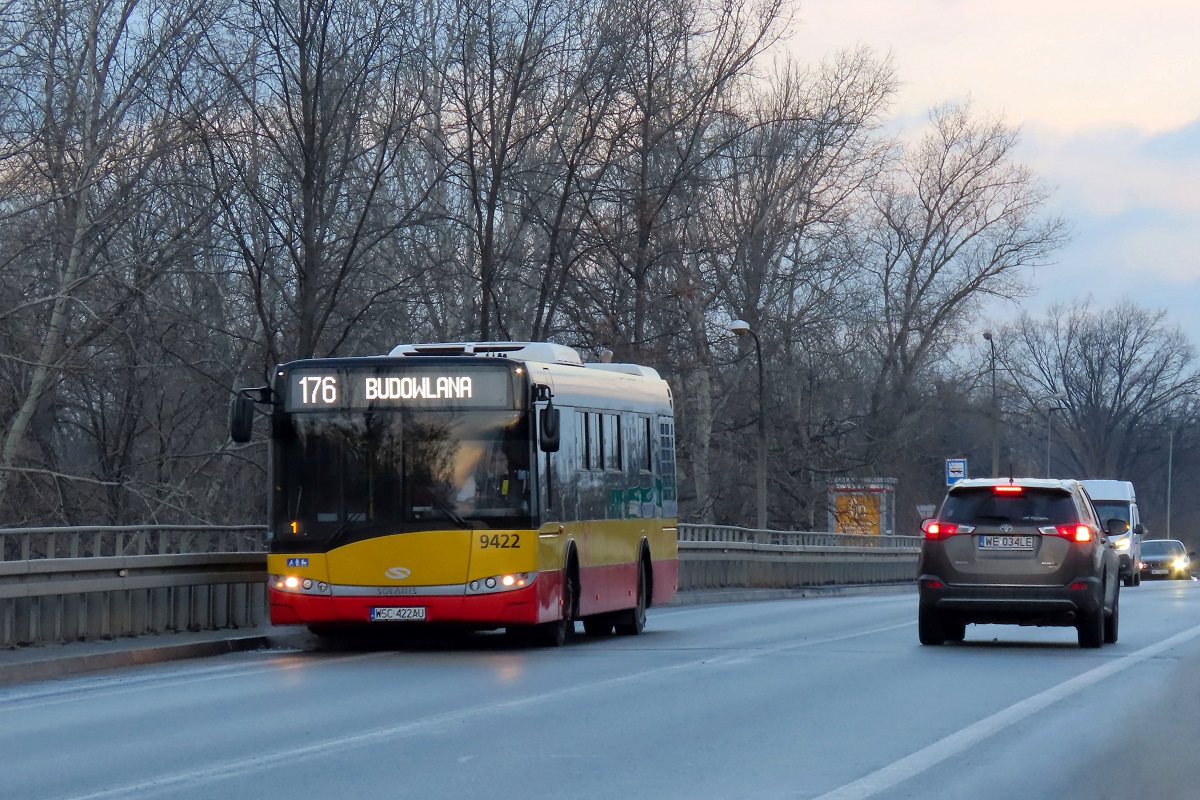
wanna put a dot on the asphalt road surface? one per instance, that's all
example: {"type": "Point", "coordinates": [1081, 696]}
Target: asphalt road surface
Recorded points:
{"type": "Point", "coordinates": [814, 698]}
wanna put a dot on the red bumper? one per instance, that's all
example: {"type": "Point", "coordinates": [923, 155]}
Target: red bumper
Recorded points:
{"type": "Point", "coordinates": [536, 603]}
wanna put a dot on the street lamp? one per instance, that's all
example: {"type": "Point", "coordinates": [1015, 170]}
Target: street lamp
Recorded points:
{"type": "Point", "coordinates": [741, 328]}
{"type": "Point", "coordinates": [995, 410]}
{"type": "Point", "coordinates": [1170, 470]}
{"type": "Point", "coordinates": [1049, 410]}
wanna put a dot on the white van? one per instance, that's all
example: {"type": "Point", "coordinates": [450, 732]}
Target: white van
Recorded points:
{"type": "Point", "coordinates": [1117, 500]}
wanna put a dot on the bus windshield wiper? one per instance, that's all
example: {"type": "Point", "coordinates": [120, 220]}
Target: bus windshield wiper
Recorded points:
{"type": "Point", "coordinates": [448, 510]}
{"type": "Point", "coordinates": [344, 528]}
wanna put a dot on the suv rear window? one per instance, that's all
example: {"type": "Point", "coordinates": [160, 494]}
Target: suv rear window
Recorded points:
{"type": "Point", "coordinates": [981, 505]}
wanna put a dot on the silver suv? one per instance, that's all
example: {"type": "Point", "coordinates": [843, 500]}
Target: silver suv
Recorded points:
{"type": "Point", "coordinates": [1020, 551]}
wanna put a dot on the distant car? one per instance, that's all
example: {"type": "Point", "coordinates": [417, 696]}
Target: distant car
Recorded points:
{"type": "Point", "coordinates": [1166, 558]}
{"type": "Point", "coordinates": [1019, 551]}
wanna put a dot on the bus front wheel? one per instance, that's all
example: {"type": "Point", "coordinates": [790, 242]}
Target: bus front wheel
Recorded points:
{"type": "Point", "coordinates": [633, 621]}
{"type": "Point", "coordinates": [555, 634]}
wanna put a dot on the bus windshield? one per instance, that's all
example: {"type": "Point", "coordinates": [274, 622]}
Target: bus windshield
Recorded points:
{"type": "Point", "coordinates": [349, 475]}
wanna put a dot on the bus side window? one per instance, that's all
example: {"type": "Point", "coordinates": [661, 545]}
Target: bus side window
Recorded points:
{"type": "Point", "coordinates": [601, 454]}
{"type": "Point", "coordinates": [612, 436]}
{"type": "Point", "coordinates": [647, 448]}
{"type": "Point", "coordinates": [666, 464]}
{"type": "Point", "coordinates": [585, 440]}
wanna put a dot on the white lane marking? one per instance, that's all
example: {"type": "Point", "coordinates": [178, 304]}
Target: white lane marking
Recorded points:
{"type": "Point", "coordinates": [973, 734]}
{"type": "Point", "coordinates": [230, 769]}
{"type": "Point", "coordinates": [736, 658]}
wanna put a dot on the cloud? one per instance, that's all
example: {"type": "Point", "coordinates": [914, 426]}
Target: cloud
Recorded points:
{"type": "Point", "coordinates": [1107, 95]}
{"type": "Point", "coordinates": [1066, 65]}
{"type": "Point", "coordinates": [1179, 145]}
{"type": "Point", "coordinates": [1135, 213]}
{"type": "Point", "coordinates": [1148, 255]}
{"type": "Point", "coordinates": [1111, 171]}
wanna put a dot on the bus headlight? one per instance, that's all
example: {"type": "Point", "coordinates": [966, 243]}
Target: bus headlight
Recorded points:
{"type": "Point", "coordinates": [1122, 544]}
{"type": "Point", "coordinates": [294, 584]}
{"type": "Point", "coordinates": [501, 583]}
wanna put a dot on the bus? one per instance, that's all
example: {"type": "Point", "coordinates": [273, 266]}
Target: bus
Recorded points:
{"type": "Point", "coordinates": [488, 485]}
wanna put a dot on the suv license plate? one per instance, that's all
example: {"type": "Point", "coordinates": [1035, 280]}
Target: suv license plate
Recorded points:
{"type": "Point", "coordinates": [1005, 542]}
{"type": "Point", "coordinates": [396, 614]}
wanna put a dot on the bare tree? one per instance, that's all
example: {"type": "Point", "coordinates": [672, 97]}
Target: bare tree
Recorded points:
{"type": "Point", "coordinates": [312, 109]}
{"type": "Point", "coordinates": [1120, 374]}
{"type": "Point", "coordinates": [680, 79]}
{"type": "Point", "coordinates": [93, 88]}
{"type": "Point", "coordinates": [771, 227]}
{"type": "Point", "coordinates": [957, 220]}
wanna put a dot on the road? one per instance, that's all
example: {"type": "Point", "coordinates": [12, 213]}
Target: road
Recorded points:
{"type": "Point", "coordinates": [814, 698]}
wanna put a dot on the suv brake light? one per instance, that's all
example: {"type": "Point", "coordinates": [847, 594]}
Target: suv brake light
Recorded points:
{"type": "Point", "coordinates": [935, 531]}
{"type": "Point", "coordinates": [1076, 533]}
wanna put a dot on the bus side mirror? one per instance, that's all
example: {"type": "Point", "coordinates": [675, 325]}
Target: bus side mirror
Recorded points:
{"type": "Point", "coordinates": [548, 429]}
{"type": "Point", "coordinates": [241, 417]}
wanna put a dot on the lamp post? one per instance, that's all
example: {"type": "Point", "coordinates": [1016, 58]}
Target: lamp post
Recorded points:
{"type": "Point", "coordinates": [995, 410]}
{"type": "Point", "coordinates": [1049, 410]}
{"type": "Point", "coordinates": [1170, 470]}
{"type": "Point", "coordinates": [741, 328]}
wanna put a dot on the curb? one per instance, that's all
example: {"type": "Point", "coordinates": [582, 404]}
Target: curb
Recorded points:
{"type": "Point", "coordinates": [57, 666]}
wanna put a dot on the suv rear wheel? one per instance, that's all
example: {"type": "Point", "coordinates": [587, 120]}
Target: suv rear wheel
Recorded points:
{"type": "Point", "coordinates": [929, 627]}
{"type": "Point", "coordinates": [1110, 624]}
{"type": "Point", "coordinates": [1091, 627]}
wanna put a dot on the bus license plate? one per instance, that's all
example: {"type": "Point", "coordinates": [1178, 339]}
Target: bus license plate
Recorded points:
{"type": "Point", "coordinates": [1005, 542]}
{"type": "Point", "coordinates": [398, 614]}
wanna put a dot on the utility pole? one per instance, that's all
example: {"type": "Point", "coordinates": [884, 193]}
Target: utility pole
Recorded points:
{"type": "Point", "coordinates": [742, 328]}
{"type": "Point", "coordinates": [995, 410]}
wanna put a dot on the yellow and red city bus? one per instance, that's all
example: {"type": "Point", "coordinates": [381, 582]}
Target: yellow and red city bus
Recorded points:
{"type": "Point", "coordinates": [492, 485]}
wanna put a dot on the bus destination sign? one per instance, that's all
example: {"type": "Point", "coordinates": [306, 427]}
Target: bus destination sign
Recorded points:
{"type": "Point", "coordinates": [311, 389]}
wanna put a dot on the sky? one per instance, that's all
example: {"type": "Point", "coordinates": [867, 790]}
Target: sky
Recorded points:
{"type": "Point", "coordinates": [1106, 95]}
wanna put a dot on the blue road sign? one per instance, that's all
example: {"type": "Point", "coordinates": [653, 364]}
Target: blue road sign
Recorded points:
{"type": "Point", "coordinates": [956, 470]}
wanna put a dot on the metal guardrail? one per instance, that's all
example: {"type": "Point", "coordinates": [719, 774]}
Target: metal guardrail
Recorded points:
{"type": "Point", "coordinates": [820, 539]}
{"type": "Point", "coordinates": [93, 541]}
{"type": "Point", "coordinates": [725, 557]}
{"type": "Point", "coordinates": [66, 584]}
